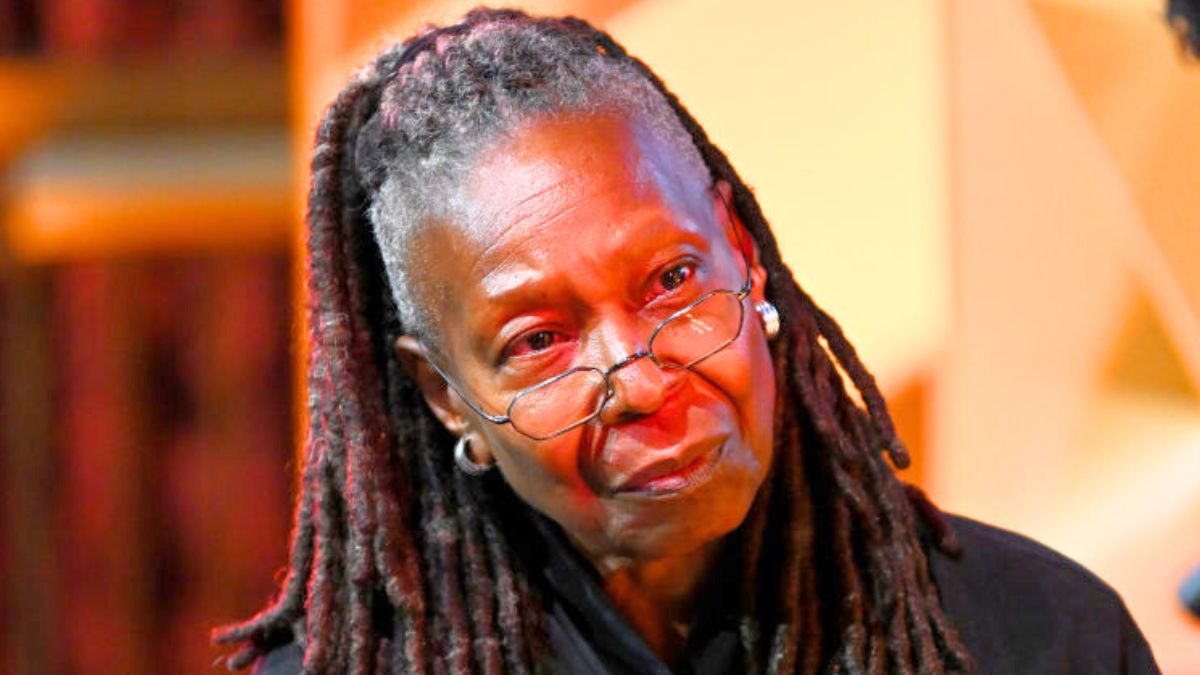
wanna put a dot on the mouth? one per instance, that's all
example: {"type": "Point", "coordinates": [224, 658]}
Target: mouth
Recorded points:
{"type": "Point", "coordinates": [668, 476]}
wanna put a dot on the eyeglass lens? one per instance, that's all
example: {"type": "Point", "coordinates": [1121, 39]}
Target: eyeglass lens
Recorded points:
{"type": "Point", "coordinates": [550, 407]}
{"type": "Point", "coordinates": [682, 341]}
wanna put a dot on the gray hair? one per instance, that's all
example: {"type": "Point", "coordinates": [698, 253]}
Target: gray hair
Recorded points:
{"type": "Point", "coordinates": [441, 110]}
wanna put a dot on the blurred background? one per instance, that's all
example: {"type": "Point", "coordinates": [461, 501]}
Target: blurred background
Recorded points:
{"type": "Point", "coordinates": [998, 201]}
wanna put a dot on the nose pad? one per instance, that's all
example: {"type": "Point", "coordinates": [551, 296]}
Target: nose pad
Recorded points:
{"type": "Point", "coordinates": [637, 388]}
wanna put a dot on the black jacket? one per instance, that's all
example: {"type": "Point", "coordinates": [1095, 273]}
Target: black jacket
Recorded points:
{"type": "Point", "coordinates": [1019, 607]}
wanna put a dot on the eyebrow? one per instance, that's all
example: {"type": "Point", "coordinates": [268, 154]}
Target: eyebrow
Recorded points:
{"type": "Point", "coordinates": [513, 284]}
{"type": "Point", "coordinates": [496, 287]}
{"type": "Point", "coordinates": [506, 280]}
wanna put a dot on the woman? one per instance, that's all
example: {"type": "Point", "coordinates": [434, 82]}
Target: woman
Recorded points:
{"type": "Point", "coordinates": [571, 413]}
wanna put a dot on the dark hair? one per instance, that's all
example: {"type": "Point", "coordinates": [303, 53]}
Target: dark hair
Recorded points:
{"type": "Point", "coordinates": [400, 563]}
{"type": "Point", "coordinates": [1184, 18]}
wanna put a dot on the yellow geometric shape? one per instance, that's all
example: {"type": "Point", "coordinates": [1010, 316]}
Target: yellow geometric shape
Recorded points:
{"type": "Point", "coordinates": [1143, 98]}
{"type": "Point", "coordinates": [1144, 358]}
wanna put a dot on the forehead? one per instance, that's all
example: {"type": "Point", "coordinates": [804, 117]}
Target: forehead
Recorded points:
{"type": "Point", "coordinates": [556, 194]}
{"type": "Point", "coordinates": [540, 173]}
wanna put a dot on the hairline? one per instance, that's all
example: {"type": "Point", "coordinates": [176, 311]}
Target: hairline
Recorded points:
{"type": "Point", "coordinates": [454, 205]}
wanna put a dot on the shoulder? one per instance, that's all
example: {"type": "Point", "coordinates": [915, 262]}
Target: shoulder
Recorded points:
{"type": "Point", "coordinates": [286, 659]}
{"type": "Point", "coordinates": [1022, 607]}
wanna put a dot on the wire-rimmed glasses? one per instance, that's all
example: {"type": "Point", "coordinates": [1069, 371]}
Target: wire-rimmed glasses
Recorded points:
{"type": "Point", "coordinates": [576, 396]}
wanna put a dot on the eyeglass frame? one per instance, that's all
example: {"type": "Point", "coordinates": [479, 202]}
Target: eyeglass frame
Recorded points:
{"type": "Point", "coordinates": [506, 418]}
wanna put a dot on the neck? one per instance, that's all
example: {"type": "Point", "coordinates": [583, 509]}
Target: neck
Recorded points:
{"type": "Point", "coordinates": [658, 596]}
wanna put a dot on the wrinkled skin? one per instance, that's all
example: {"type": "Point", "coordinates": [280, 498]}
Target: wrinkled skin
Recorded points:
{"type": "Point", "coordinates": [578, 224]}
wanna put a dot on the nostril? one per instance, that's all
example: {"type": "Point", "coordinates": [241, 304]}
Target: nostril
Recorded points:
{"type": "Point", "coordinates": [636, 390]}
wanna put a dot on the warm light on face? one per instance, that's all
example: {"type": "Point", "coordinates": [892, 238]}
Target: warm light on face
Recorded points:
{"type": "Point", "coordinates": [698, 319]}
{"type": "Point", "coordinates": [589, 245]}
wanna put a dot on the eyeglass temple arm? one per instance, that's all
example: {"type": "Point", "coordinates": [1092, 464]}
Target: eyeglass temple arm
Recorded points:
{"type": "Point", "coordinates": [737, 234]}
{"type": "Point", "coordinates": [494, 419]}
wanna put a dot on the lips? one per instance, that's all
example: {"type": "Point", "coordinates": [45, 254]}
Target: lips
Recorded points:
{"type": "Point", "coordinates": [671, 474]}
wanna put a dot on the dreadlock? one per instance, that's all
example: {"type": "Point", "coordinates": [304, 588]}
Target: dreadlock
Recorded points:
{"type": "Point", "coordinates": [399, 563]}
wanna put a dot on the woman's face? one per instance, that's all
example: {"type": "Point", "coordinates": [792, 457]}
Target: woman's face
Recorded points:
{"type": "Point", "coordinates": [581, 230]}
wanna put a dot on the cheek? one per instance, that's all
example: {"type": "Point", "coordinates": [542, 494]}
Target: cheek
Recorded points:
{"type": "Point", "coordinates": [546, 476]}
{"type": "Point", "coordinates": [527, 462]}
{"type": "Point", "coordinates": [744, 372]}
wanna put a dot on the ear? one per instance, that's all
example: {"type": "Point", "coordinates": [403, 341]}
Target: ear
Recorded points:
{"type": "Point", "coordinates": [443, 401]}
{"type": "Point", "coordinates": [729, 218]}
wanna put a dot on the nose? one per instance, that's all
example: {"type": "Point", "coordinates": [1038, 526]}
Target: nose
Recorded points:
{"type": "Point", "coordinates": [639, 388]}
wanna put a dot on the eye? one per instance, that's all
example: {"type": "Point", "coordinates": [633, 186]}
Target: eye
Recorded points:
{"type": "Point", "coordinates": [533, 343]}
{"type": "Point", "coordinates": [675, 276]}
